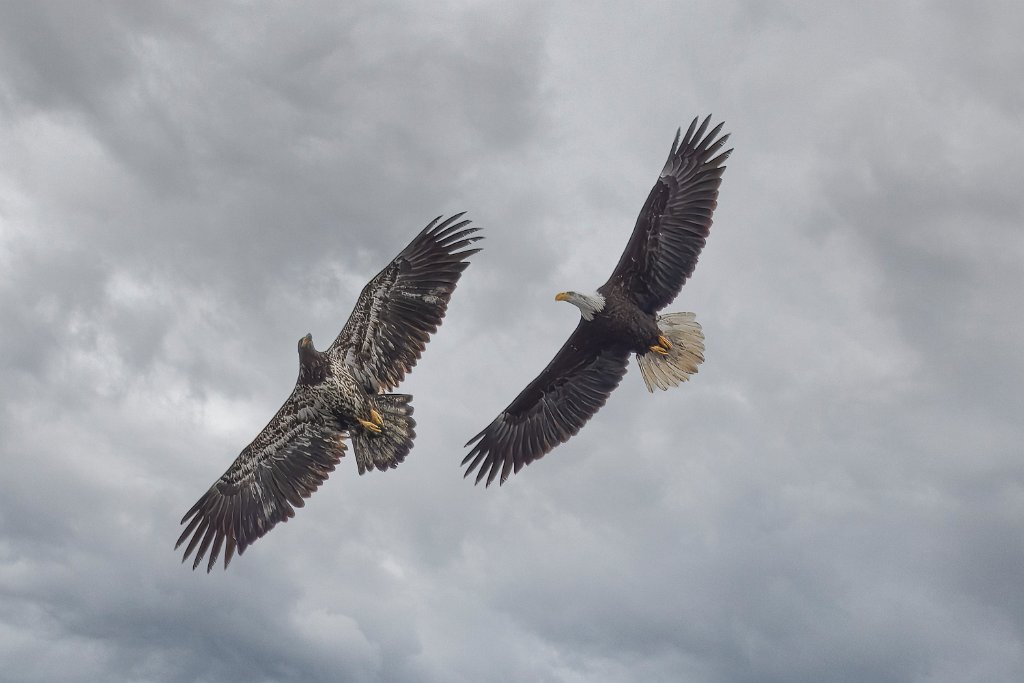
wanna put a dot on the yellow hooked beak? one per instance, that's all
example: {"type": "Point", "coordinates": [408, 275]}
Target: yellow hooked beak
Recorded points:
{"type": "Point", "coordinates": [562, 296]}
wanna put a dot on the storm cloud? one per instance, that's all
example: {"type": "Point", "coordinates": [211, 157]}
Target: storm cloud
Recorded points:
{"type": "Point", "coordinates": [837, 495]}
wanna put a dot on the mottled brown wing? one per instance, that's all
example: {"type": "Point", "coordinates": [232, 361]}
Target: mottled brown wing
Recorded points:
{"type": "Point", "coordinates": [285, 464]}
{"type": "Point", "coordinates": [551, 410]}
{"type": "Point", "coordinates": [675, 221]}
{"type": "Point", "coordinates": [404, 304]}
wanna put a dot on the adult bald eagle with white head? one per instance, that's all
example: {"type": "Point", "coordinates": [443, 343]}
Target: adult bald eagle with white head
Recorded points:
{"type": "Point", "coordinates": [341, 393]}
{"type": "Point", "coordinates": [620, 318]}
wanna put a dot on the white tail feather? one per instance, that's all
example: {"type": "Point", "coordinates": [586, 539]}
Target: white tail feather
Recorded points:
{"type": "Point", "coordinates": [687, 352]}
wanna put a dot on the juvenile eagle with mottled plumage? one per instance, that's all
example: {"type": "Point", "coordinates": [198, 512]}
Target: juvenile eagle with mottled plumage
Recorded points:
{"type": "Point", "coordinates": [621, 318]}
{"type": "Point", "coordinates": [340, 393]}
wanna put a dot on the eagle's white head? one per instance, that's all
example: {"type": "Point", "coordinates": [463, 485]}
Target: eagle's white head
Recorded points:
{"type": "Point", "coordinates": [589, 304]}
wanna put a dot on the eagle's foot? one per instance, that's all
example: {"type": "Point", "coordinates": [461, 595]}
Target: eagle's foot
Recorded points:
{"type": "Point", "coordinates": [371, 426]}
{"type": "Point", "coordinates": [664, 342]}
{"type": "Point", "coordinates": [660, 350]}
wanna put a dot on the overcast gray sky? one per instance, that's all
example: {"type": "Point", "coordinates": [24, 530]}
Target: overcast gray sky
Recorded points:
{"type": "Point", "coordinates": [838, 495]}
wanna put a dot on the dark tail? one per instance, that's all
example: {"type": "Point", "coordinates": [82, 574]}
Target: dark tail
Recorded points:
{"type": "Point", "coordinates": [389, 448]}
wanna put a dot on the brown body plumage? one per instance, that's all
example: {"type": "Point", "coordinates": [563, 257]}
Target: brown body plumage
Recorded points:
{"type": "Point", "coordinates": [340, 393]}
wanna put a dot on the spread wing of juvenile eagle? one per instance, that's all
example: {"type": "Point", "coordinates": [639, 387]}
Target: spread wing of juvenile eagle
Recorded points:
{"type": "Point", "coordinates": [385, 335]}
{"type": "Point", "coordinates": [271, 477]}
{"type": "Point", "coordinates": [403, 305]}
{"type": "Point", "coordinates": [661, 254]}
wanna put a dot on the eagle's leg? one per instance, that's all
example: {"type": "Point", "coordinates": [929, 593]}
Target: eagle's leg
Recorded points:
{"type": "Point", "coordinates": [660, 350]}
{"type": "Point", "coordinates": [662, 347]}
{"type": "Point", "coordinates": [370, 425]}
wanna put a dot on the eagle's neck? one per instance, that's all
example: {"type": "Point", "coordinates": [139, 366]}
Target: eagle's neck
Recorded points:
{"type": "Point", "coordinates": [589, 304]}
{"type": "Point", "coordinates": [312, 366]}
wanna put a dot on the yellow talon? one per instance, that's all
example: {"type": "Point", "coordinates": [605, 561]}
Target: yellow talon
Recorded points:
{"type": "Point", "coordinates": [375, 416]}
{"type": "Point", "coordinates": [659, 350]}
{"type": "Point", "coordinates": [664, 342]}
{"type": "Point", "coordinates": [370, 426]}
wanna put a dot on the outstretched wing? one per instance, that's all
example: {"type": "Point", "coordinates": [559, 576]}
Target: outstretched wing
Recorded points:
{"type": "Point", "coordinates": [552, 409]}
{"type": "Point", "coordinates": [675, 221]}
{"type": "Point", "coordinates": [399, 308]}
{"type": "Point", "coordinates": [286, 463]}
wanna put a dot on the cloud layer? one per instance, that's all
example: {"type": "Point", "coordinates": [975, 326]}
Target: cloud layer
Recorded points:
{"type": "Point", "coordinates": [838, 495]}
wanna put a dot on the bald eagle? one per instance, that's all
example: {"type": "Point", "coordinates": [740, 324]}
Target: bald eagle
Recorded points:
{"type": "Point", "coordinates": [620, 318]}
{"type": "Point", "coordinates": [339, 394]}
